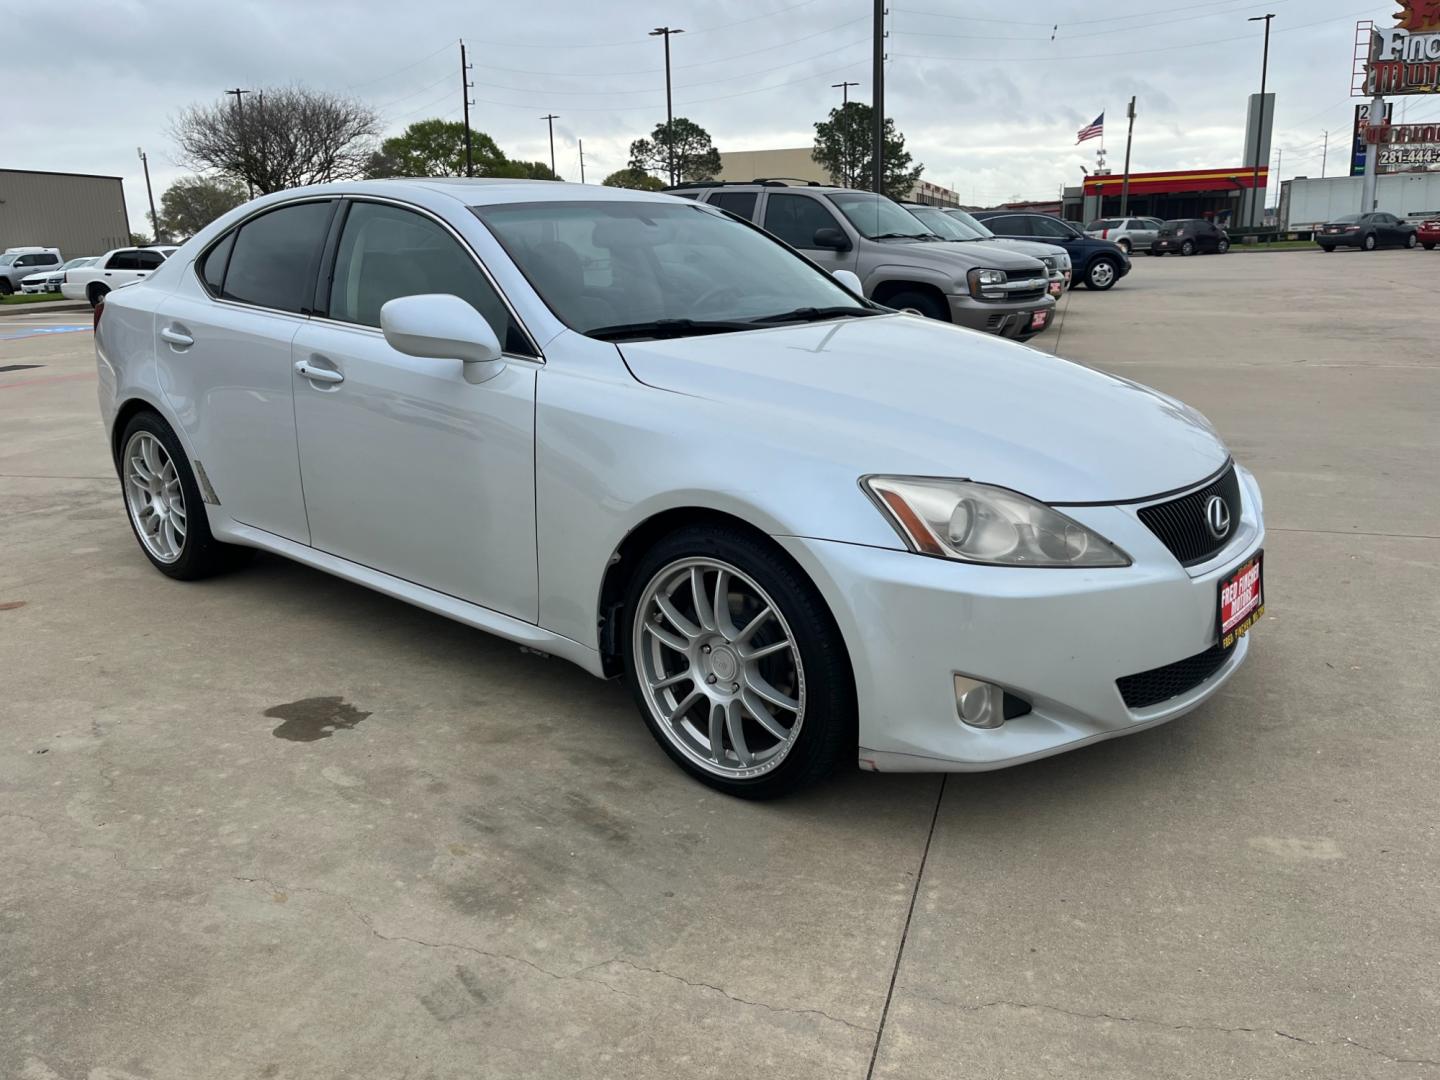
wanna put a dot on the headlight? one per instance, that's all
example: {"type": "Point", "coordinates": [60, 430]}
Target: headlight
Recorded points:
{"type": "Point", "coordinates": [987, 284]}
{"type": "Point", "coordinates": [958, 519]}
{"type": "Point", "coordinates": [1051, 263]}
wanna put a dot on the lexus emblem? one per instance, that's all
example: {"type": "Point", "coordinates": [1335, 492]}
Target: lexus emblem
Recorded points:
{"type": "Point", "coordinates": [1217, 517]}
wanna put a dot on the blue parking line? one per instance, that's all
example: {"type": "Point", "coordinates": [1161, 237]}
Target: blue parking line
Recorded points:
{"type": "Point", "coordinates": [33, 331]}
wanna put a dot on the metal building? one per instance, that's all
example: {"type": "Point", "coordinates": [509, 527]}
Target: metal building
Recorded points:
{"type": "Point", "coordinates": [75, 212]}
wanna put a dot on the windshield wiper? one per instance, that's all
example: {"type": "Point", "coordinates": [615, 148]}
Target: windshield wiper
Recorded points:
{"type": "Point", "coordinates": [667, 328]}
{"type": "Point", "coordinates": [815, 314]}
{"type": "Point", "coordinates": [905, 236]}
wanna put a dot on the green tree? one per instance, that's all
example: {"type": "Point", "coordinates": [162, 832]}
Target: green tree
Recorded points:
{"type": "Point", "coordinates": [435, 148]}
{"type": "Point", "coordinates": [634, 178]}
{"type": "Point", "coordinates": [527, 170]}
{"type": "Point", "coordinates": [844, 148]}
{"type": "Point", "coordinates": [192, 202]}
{"type": "Point", "coordinates": [682, 146]}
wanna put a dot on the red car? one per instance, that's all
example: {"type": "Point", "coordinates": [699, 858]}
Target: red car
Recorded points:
{"type": "Point", "coordinates": [1429, 233]}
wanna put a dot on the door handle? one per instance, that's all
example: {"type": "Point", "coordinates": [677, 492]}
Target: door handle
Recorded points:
{"type": "Point", "coordinates": [318, 374]}
{"type": "Point", "coordinates": [176, 337]}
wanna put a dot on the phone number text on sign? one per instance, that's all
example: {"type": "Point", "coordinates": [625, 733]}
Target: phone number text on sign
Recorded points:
{"type": "Point", "coordinates": [1242, 601]}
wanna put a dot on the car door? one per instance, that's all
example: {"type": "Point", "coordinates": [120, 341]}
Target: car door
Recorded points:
{"type": "Point", "coordinates": [796, 219]}
{"type": "Point", "coordinates": [408, 468]}
{"type": "Point", "coordinates": [224, 341]}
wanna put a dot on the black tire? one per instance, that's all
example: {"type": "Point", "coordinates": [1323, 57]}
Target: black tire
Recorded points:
{"type": "Point", "coordinates": [1098, 278]}
{"type": "Point", "coordinates": [828, 732]}
{"type": "Point", "coordinates": [201, 554]}
{"type": "Point", "coordinates": [1123, 245]}
{"type": "Point", "coordinates": [95, 292]}
{"type": "Point", "coordinates": [5, 287]}
{"type": "Point", "coordinates": [1329, 249]}
{"type": "Point", "coordinates": [924, 303]}
{"type": "Point", "coordinates": [1368, 244]}
{"type": "Point", "coordinates": [1222, 247]}
{"type": "Point", "coordinates": [1187, 248]}
{"type": "Point", "coordinates": [1430, 247]}
{"type": "Point", "coordinates": [1411, 240]}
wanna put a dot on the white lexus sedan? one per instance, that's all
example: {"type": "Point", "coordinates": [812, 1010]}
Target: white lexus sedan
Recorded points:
{"type": "Point", "coordinates": [643, 435]}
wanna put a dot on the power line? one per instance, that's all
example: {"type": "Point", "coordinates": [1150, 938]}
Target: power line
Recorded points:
{"type": "Point", "coordinates": [397, 71]}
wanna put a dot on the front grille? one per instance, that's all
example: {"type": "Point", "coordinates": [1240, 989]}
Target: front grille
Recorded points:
{"type": "Point", "coordinates": [1180, 523]}
{"type": "Point", "coordinates": [1029, 294]}
{"type": "Point", "coordinates": [1163, 683]}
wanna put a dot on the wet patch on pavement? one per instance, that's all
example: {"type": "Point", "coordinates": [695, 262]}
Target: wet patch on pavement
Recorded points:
{"type": "Point", "coordinates": [314, 718]}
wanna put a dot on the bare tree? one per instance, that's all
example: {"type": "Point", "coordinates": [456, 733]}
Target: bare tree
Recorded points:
{"type": "Point", "coordinates": [279, 138]}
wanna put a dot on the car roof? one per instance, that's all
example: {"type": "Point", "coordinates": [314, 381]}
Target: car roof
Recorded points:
{"type": "Point", "coordinates": [485, 192]}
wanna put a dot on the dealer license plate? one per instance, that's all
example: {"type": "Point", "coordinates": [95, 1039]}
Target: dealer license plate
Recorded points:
{"type": "Point", "coordinates": [1037, 320]}
{"type": "Point", "coordinates": [1242, 601]}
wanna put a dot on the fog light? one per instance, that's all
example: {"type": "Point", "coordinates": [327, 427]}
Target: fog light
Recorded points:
{"type": "Point", "coordinates": [980, 704]}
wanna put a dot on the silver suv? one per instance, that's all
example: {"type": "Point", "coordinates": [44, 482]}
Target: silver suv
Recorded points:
{"type": "Point", "coordinates": [899, 262]}
{"type": "Point", "coordinates": [1131, 233]}
{"type": "Point", "coordinates": [19, 263]}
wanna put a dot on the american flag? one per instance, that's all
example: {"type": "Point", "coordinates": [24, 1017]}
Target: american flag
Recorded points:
{"type": "Point", "coordinates": [1094, 131]}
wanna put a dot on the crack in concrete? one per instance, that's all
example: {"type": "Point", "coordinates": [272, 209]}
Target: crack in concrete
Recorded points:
{"type": "Point", "coordinates": [1007, 1003]}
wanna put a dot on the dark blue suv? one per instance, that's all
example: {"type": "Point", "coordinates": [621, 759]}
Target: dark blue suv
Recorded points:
{"type": "Point", "coordinates": [1098, 263]}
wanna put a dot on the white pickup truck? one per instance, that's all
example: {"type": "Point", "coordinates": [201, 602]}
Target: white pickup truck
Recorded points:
{"type": "Point", "coordinates": [122, 266]}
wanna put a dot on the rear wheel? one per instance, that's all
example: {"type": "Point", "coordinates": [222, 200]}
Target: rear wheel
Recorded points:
{"type": "Point", "coordinates": [95, 293]}
{"type": "Point", "coordinates": [1124, 246]}
{"type": "Point", "coordinates": [1187, 248]}
{"type": "Point", "coordinates": [924, 303]}
{"type": "Point", "coordinates": [1327, 248]}
{"type": "Point", "coordinates": [1430, 246]}
{"type": "Point", "coordinates": [166, 512]}
{"type": "Point", "coordinates": [1222, 247]}
{"type": "Point", "coordinates": [736, 663]}
{"type": "Point", "coordinates": [1411, 240]}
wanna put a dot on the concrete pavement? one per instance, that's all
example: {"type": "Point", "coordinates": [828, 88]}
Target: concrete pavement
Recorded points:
{"type": "Point", "coordinates": [276, 826]}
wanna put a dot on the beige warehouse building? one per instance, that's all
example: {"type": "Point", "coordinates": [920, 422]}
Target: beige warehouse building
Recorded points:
{"type": "Point", "coordinates": [75, 212]}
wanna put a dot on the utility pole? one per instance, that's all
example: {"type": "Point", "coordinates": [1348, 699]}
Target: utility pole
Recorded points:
{"type": "Point", "coordinates": [1256, 203]}
{"type": "Point", "coordinates": [1324, 155]}
{"type": "Point", "coordinates": [665, 32]}
{"type": "Point", "coordinates": [877, 94]}
{"type": "Point", "coordinates": [1125, 183]}
{"type": "Point", "coordinates": [238, 95]}
{"type": "Point", "coordinates": [550, 120]}
{"type": "Point", "coordinates": [581, 143]}
{"type": "Point", "coordinates": [844, 88]}
{"type": "Point", "coordinates": [465, 85]}
{"type": "Point", "coordinates": [154, 220]}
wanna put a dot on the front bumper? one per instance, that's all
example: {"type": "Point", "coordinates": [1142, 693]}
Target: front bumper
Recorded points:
{"type": "Point", "coordinates": [1059, 639]}
{"type": "Point", "coordinates": [1010, 319]}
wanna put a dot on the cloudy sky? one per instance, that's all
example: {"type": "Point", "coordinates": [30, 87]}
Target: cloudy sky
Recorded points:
{"type": "Point", "coordinates": [989, 103]}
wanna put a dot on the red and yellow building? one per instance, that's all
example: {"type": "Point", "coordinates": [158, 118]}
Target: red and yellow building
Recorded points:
{"type": "Point", "coordinates": [1175, 193]}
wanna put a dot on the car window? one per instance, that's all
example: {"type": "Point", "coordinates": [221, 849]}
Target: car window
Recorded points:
{"type": "Point", "coordinates": [1104, 223]}
{"type": "Point", "coordinates": [1012, 225]}
{"type": "Point", "coordinates": [1050, 227]}
{"type": "Point", "coordinates": [795, 219]}
{"type": "Point", "coordinates": [387, 252]}
{"type": "Point", "coordinates": [612, 263]}
{"type": "Point", "coordinates": [25, 260]}
{"type": "Point", "coordinates": [273, 261]}
{"type": "Point", "coordinates": [122, 260]}
{"type": "Point", "coordinates": [213, 263]}
{"type": "Point", "coordinates": [49, 259]}
{"type": "Point", "coordinates": [737, 202]}
{"type": "Point", "coordinates": [148, 260]}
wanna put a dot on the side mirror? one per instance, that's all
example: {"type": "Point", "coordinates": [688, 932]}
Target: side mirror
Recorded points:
{"type": "Point", "coordinates": [442, 327]}
{"type": "Point", "coordinates": [849, 280]}
{"type": "Point", "coordinates": [831, 240]}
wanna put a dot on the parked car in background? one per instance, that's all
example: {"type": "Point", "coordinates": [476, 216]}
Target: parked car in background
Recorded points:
{"type": "Point", "coordinates": [1367, 232]}
{"type": "Point", "coordinates": [1130, 233]}
{"type": "Point", "coordinates": [1428, 232]}
{"type": "Point", "coordinates": [49, 281]}
{"type": "Point", "coordinates": [938, 221]}
{"type": "Point", "coordinates": [1099, 264]}
{"type": "Point", "coordinates": [18, 263]}
{"type": "Point", "coordinates": [1190, 236]}
{"type": "Point", "coordinates": [900, 262]}
{"type": "Point", "coordinates": [122, 266]}
{"type": "Point", "coordinates": [636, 433]}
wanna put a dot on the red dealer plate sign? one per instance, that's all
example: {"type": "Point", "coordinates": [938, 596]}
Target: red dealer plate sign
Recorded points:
{"type": "Point", "coordinates": [1242, 601]}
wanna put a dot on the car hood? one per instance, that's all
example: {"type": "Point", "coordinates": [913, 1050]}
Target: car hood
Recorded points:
{"type": "Point", "coordinates": [949, 253]}
{"type": "Point", "coordinates": [1034, 248]}
{"type": "Point", "coordinates": [901, 394]}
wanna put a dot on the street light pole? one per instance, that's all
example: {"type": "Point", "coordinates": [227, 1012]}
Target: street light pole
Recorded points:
{"type": "Point", "coordinates": [154, 219]}
{"type": "Point", "coordinates": [1125, 184]}
{"type": "Point", "coordinates": [665, 32]}
{"type": "Point", "coordinates": [550, 120]}
{"type": "Point", "coordinates": [1258, 207]}
{"type": "Point", "coordinates": [877, 94]}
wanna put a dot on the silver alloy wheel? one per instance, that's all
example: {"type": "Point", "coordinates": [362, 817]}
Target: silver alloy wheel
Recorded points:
{"type": "Point", "coordinates": [719, 668]}
{"type": "Point", "coordinates": [1102, 273]}
{"type": "Point", "coordinates": [154, 497]}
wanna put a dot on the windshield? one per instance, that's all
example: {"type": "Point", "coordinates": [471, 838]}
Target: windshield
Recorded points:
{"type": "Point", "coordinates": [73, 263]}
{"type": "Point", "coordinates": [878, 218]}
{"type": "Point", "coordinates": [969, 221]}
{"type": "Point", "coordinates": [944, 227]}
{"type": "Point", "coordinates": [8, 260]}
{"type": "Point", "coordinates": [612, 264]}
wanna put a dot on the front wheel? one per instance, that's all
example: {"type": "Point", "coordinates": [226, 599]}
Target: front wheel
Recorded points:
{"type": "Point", "coordinates": [1327, 248]}
{"type": "Point", "coordinates": [1187, 248]}
{"type": "Point", "coordinates": [1124, 246]}
{"type": "Point", "coordinates": [1411, 240]}
{"type": "Point", "coordinates": [1430, 246]}
{"type": "Point", "coordinates": [1102, 274]}
{"type": "Point", "coordinates": [5, 287]}
{"type": "Point", "coordinates": [1369, 242]}
{"type": "Point", "coordinates": [166, 512]}
{"type": "Point", "coordinates": [95, 293]}
{"type": "Point", "coordinates": [924, 303]}
{"type": "Point", "coordinates": [1222, 247]}
{"type": "Point", "coordinates": [736, 664]}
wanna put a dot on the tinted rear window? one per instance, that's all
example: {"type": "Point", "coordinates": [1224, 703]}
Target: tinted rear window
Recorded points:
{"type": "Point", "coordinates": [273, 260]}
{"type": "Point", "coordinates": [741, 203]}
